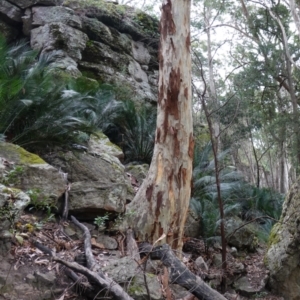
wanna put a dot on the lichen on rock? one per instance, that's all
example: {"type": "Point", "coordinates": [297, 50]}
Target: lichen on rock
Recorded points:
{"type": "Point", "coordinates": [282, 257]}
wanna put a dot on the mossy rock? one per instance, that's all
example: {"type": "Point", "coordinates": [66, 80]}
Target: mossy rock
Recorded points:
{"type": "Point", "coordinates": [27, 171]}
{"type": "Point", "coordinates": [123, 18]}
{"type": "Point", "coordinates": [19, 155]}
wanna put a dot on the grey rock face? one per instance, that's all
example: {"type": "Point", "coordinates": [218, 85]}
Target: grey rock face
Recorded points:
{"type": "Point", "coordinates": [282, 258]}
{"type": "Point", "coordinates": [109, 36]}
{"type": "Point", "coordinates": [244, 287]}
{"type": "Point", "coordinates": [27, 171]}
{"type": "Point", "coordinates": [140, 53]}
{"type": "Point", "coordinates": [109, 46]}
{"type": "Point", "coordinates": [10, 12]}
{"type": "Point", "coordinates": [99, 181]}
{"type": "Point", "coordinates": [42, 15]}
{"type": "Point", "coordinates": [59, 36]}
{"type": "Point", "coordinates": [28, 3]}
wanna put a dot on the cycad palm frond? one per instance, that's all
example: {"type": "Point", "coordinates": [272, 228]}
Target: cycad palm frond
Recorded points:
{"type": "Point", "coordinates": [137, 126]}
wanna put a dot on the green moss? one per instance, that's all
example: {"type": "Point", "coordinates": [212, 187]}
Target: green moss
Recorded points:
{"type": "Point", "coordinates": [100, 4]}
{"type": "Point", "coordinates": [148, 24]}
{"type": "Point", "coordinates": [274, 237]}
{"type": "Point", "coordinates": [29, 158]}
{"type": "Point", "coordinates": [15, 191]}
{"type": "Point", "coordinates": [135, 288]}
{"type": "Point", "coordinates": [19, 155]}
{"type": "Point", "coordinates": [99, 136]}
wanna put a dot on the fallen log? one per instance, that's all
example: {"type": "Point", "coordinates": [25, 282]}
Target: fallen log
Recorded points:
{"type": "Point", "coordinates": [180, 274]}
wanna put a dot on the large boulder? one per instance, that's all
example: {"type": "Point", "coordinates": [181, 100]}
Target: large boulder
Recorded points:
{"type": "Point", "coordinates": [282, 258]}
{"type": "Point", "coordinates": [240, 236]}
{"type": "Point", "coordinates": [26, 171]}
{"type": "Point", "coordinates": [99, 181]}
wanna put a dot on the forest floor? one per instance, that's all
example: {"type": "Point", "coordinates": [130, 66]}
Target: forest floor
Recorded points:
{"type": "Point", "coordinates": [23, 269]}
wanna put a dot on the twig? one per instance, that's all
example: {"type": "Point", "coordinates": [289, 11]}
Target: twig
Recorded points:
{"type": "Point", "coordinates": [66, 204]}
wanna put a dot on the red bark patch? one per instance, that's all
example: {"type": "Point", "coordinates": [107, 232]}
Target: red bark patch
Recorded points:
{"type": "Point", "coordinates": [167, 25]}
{"type": "Point", "coordinates": [158, 132]}
{"type": "Point", "coordinates": [179, 177]}
{"type": "Point", "coordinates": [191, 146]}
{"type": "Point", "coordinates": [149, 192]}
{"type": "Point", "coordinates": [156, 227]}
{"type": "Point", "coordinates": [159, 201]}
{"type": "Point", "coordinates": [173, 93]}
{"type": "Point", "coordinates": [170, 178]}
{"type": "Point", "coordinates": [188, 42]}
{"type": "Point", "coordinates": [184, 175]}
{"type": "Point", "coordinates": [186, 93]}
{"type": "Point", "coordinates": [176, 145]}
{"type": "Point", "coordinates": [171, 105]}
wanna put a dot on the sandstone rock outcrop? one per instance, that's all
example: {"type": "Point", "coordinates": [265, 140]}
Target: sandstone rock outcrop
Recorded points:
{"type": "Point", "coordinates": [107, 42]}
{"type": "Point", "coordinates": [98, 180]}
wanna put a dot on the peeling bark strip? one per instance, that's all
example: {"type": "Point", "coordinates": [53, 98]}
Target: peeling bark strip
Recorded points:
{"type": "Point", "coordinates": [162, 201]}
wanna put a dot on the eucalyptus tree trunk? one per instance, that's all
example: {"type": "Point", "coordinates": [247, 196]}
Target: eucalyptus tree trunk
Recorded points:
{"type": "Point", "coordinates": [161, 204]}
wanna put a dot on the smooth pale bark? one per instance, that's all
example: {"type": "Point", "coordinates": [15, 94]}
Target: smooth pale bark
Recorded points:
{"type": "Point", "coordinates": [161, 204]}
{"type": "Point", "coordinates": [294, 12]}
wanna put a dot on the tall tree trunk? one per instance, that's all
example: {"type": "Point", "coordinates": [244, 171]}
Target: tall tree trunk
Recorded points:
{"type": "Point", "coordinates": [161, 204]}
{"type": "Point", "coordinates": [294, 12]}
{"type": "Point", "coordinates": [212, 92]}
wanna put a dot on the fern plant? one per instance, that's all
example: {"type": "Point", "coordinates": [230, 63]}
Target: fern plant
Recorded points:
{"type": "Point", "coordinates": [239, 198]}
{"type": "Point", "coordinates": [137, 127]}
{"type": "Point", "coordinates": [40, 106]}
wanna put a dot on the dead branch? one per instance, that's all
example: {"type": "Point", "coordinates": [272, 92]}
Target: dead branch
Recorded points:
{"type": "Point", "coordinates": [95, 278]}
{"type": "Point", "coordinates": [90, 261]}
{"type": "Point", "coordinates": [181, 275]}
{"type": "Point", "coordinates": [66, 204]}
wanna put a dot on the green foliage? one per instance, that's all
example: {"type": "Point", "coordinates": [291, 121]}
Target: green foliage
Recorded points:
{"type": "Point", "coordinates": [12, 177]}
{"type": "Point", "coordinates": [40, 106]}
{"type": "Point", "coordinates": [100, 221]}
{"type": "Point", "coordinates": [137, 127]}
{"type": "Point", "coordinates": [8, 212]}
{"type": "Point", "coordinates": [239, 198]}
{"type": "Point", "coordinates": [149, 24]}
{"type": "Point", "coordinates": [40, 202]}
{"type": "Point", "coordinates": [204, 202]}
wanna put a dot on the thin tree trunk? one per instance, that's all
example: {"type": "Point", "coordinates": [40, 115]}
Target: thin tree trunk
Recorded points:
{"type": "Point", "coordinates": [162, 201]}
{"type": "Point", "coordinates": [295, 15]}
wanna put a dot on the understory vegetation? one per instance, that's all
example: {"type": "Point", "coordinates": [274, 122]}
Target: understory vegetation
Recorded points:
{"type": "Point", "coordinates": [41, 107]}
{"type": "Point", "coordinates": [261, 205]}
